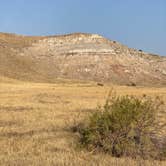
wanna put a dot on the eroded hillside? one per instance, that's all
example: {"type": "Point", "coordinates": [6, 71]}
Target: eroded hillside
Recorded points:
{"type": "Point", "coordinates": [78, 56]}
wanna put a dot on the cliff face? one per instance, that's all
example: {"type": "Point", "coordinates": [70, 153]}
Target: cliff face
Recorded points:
{"type": "Point", "coordinates": [82, 56]}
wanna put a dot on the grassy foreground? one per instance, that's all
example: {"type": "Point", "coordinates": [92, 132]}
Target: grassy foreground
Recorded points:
{"type": "Point", "coordinates": [35, 121]}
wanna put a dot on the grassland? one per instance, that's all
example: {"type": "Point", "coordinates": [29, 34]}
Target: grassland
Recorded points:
{"type": "Point", "coordinates": [35, 121]}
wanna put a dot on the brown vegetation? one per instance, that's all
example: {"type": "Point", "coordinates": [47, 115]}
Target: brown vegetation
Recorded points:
{"type": "Point", "coordinates": [35, 122]}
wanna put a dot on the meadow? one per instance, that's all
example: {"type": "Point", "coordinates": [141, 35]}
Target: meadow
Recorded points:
{"type": "Point", "coordinates": [35, 122]}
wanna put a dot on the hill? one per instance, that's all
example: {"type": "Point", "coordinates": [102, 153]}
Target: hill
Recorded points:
{"type": "Point", "coordinates": [78, 56]}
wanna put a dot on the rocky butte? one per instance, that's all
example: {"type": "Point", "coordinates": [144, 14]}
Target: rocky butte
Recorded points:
{"type": "Point", "coordinates": [78, 56]}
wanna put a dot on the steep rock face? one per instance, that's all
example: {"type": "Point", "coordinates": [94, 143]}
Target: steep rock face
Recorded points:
{"type": "Point", "coordinates": [92, 57]}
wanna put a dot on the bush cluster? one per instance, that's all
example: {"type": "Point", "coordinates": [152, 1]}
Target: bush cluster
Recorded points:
{"type": "Point", "coordinates": [124, 126]}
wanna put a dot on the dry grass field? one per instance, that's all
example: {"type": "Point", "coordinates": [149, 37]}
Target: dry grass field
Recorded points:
{"type": "Point", "coordinates": [35, 121]}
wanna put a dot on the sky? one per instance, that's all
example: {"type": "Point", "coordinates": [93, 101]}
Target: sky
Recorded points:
{"type": "Point", "coordinates": [138, 24]}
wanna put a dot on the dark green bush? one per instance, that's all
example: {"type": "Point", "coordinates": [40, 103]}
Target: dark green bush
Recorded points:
{"type": "Point", "coordinates": [125, 126]}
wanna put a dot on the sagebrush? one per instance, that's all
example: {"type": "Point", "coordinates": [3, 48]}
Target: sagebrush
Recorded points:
{"type": "Point", "coordinates": [124, 126]}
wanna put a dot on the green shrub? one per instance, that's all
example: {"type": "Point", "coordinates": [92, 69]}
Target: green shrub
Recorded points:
{"type": "Point", "coordinates": [125, 126]}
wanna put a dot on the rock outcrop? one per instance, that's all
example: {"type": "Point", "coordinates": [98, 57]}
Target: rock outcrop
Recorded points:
{"type": "Point", "coordinates": [86, 57]}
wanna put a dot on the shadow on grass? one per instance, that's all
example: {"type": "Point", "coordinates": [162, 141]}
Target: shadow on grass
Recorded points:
{"type": "Point", "coordinates": [27, 133]}
{"type": "Point", "coordinates": [15, 108]}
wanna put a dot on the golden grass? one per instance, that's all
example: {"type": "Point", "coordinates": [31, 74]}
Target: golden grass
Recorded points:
{"type": "Point", "coordinates": [35, 120]}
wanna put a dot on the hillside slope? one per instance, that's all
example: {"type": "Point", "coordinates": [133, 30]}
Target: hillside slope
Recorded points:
{"type": "Point", "coordinates": [78, 56]}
